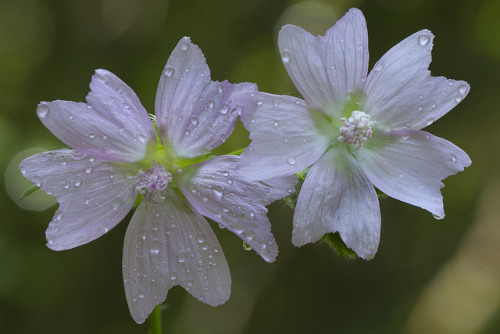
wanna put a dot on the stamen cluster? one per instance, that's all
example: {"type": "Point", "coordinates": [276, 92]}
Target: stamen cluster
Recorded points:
{"type": "Point", "coordinates": [357, 129]}
{"type": "Point", "coordinates": [153, 180]}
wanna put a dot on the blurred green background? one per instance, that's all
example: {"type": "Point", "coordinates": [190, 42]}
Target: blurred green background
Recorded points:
{"type": "Point", "coordinates": [429, 276]}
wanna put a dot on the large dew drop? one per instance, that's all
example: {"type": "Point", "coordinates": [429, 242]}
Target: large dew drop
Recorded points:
{"type": "Point", "coordinates": [423, 40]}
{"type": "Point", "coordinates": [43, 110]}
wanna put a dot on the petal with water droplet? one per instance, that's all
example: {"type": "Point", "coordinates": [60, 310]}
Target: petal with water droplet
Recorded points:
{"type": "Point", "coordinates": [424, 159]}
{"type": "Point", "coordinates": [404, 90]}
{"type": "Point", "coordinates": [90, 204]}
{"type": "Point", "coordinates": [187, 96]}
{"type": "Point", "coordinates": [326, 68]}
{"type": "Point", "coordinates": [336, 196]}
{"type": "Point", "coordinates": [155, 259]}
{"type": "Point", "coordinates": [240, 206]}
{"type": "Point", "coordinates": [302, 136]}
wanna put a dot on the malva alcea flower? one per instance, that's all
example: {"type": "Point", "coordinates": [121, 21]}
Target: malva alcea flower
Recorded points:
{"type": "Point", "coordinates": [117, 156]}
{"type": "Point", "coordinates": [356, 131]}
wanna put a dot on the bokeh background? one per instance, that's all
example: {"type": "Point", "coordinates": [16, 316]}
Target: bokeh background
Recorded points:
{"type": "Point", "coordinates": [429, 276]}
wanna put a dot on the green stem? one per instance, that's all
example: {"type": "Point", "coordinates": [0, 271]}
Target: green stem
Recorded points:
{"type": "Point", "coordinates": [155, 320]}
{"type": "Point", "coordinates": [237, 152]}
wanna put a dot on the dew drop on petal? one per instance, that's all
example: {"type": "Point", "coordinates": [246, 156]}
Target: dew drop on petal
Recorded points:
{"type": "Point", "coordinates": [91, 135]}
{"type": "Point", "coordinates": [217, 191]}
{"type": "Point", "coordinates": [204, 245]}
{"type": "Point", "coordinates": [462, 89]}
{"type": "Point", "coordinates": [291, 160]}
{"type": "Point", "coordinates": [430, 121]}
{"type": "Point", "coordinates": [211, 104]}
{"type": "Point", "coordinates": [224, 109]}
{"type": "Point", "coordinates": [238, 227]}
{"type": "Point", "coordinates": [37, 180]}
{"type": "Point", "coordinates": [285, 56]}
{"type": "Point", "coordinates": [181, 257]}
{"type": "Point", "coordinates": [142, 234]}
{"type": "Point", "coordinates": [458, 99]}
{"type": "Point", "coordinates": [453, 158]}
{"type": "Point", "coordinates": [437, 216]}
{"type": "Point", "coordinates": [155, 247]}
{"type": "Point", "coordinates": [184, 45]}
{"type": "Point", "coordinates": [87, 200]}
{"type": "Point", "coordinates": [78, 181]}
{"type": "Point", "coordinates": [42, 110]}
{"type": "Point", "coordinates": [423, 40]}
{"type": "Point", "coordinates": [126, 106]}
{"type": "Point", "coordinates": [379, 67]}
{"type": "Point", "coordinates": [276, 124]}
{"type": "Point", "coordinates": [168, 71]}
{"type": "Point", "coordinates": [194, 120]}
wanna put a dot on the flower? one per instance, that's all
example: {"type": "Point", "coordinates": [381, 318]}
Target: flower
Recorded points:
{"type": "Point", "coordinates": [355, 130]}
{"type": "Point", "coordinates": [118, 156]}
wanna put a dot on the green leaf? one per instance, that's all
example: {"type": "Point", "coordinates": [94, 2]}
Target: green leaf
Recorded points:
{"type": "Point", "coordinates": [338, 246]}
{"type": "Point", "coordinates": [28, 192]}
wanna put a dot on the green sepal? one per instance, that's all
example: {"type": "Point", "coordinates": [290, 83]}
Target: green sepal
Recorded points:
{"type": "Point", "coordinates": [28, 192]}
{"type": "Point", "coordinates": [291, 200]}
{"type": "Point", "coordinates": [338, 246]}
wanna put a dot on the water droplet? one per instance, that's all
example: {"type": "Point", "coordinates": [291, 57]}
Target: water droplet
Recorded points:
{"type": "Point", "coordinates": [43, 110]}
{"type": "Point", "coordinates": [458, 99]}
{"type": "Point", "coordinates": [89, 106]}
{"type": "Point", "coordinates": [91, 135]}
{"type": "Point", "coordinates": [187, 70]}
{"type": "Point", "coordinates": [194, 120]}
{"type": "Point", "coordinates": [219, 88]}
{"type": "Point", "coordinates": [71, 117]}
{"type": "Point", "coordinates": [115, 205]}
{"type": "Point", "coordinates": [332, 67]}
{"type": "Point", "coordinates": [238, 227]}
{"type": "Point", "coordinates": [155, 247]}
{"type": "Point", "coordinates": [187, 132]}
{"type": "Point", "coordinates": [423, 40]}
{"type": "Point", "coordinates": [168, 71]}
{"type": "Point", "coordinates": [276, 124]}
{"type": "Point", "coordinates": [105, 137]}
{"type": "Point", "coordinates": [37, 180]}
{"type": "Point", "coordinates": [420, 108]}
{"type": "Point", "coordinates": [225, 209]}
{"type": "Point", "coordinates": [224, 109]}
{"type": "Point", "coordinates": [77, 182]}
{"type": "Point", "coordinates": [229, 181]}
{"type": "Point", "coordinates": [142, 139]}
{"type": "Point", "coordinates": [379, 67]}
{"type": "Point", "coordinates": [173, 276]}
{"type": "Point", "coordinates": [225, 173]}
{"type": "Point", "coordinates": [217, 191]}
{"type": "Point", "coordinates": [291, 160]}
{"type": "Point", "coordinates": [87, 200]}
{"type": "Point", "coordinates": [66, 184]}
{"type": "Point", "coordinates": [462, 89]}
{"type": "Point", "coordinates": [204, 245]}
{"type": "Point", "coordinates": [259, 102]}
{"type": "Point", "coordinates": [142, 234]}
{"type": "Point", "coordinates": [252, 120]}
{"type": "Point", "coordinates": [285, 56]}
{"type": "Point", "coordinates": [437, 216]}
{"type": "Point", "coordinates": [246, 246]}
{"type": "Point", "coordinates": [211, 103]}
{"type": "Point", "coordinates": [184, 45]}
{"type": "Point", "coordinates": [88, 169]}
{"type": "Point", "coordinates": [181, 257]}
{"type": "Point", "coordinates": [126, 106]}
{"type": "Point", "coordinates": [453, 158]}
{"type": "Point", "coordinates": [91, 159]}
{"type": "Point", "coordinates": [430, 121]}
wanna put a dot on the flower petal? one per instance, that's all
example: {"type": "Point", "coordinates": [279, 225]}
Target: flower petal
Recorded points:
{"type": "Point", "coordinates": [402, 94]}
{"type": "Point", "coordinates": [113, 126]}
{"type": "Point", "coordinates": [218, 192]}
{"type": "Point", "coordinates": [409, 166]}
{"type": "Point", "coordinates": [337, 197]}
{"type": "Point", "coordinates": [287, 136]}
{"type": "Point", "coordinates": [193, 113]}
{"type": "Point", "coordinates": [325, 69]}
{"type": "Point", "coordinates": [168, 244]}
{"type": "Point", "coordinates": [94, 196]}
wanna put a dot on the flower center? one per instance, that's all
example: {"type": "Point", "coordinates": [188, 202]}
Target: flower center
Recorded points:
{"type": "Point", "coordinates": [357, 129]}
{"type": "Point", "coordinates": [153, 180]}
